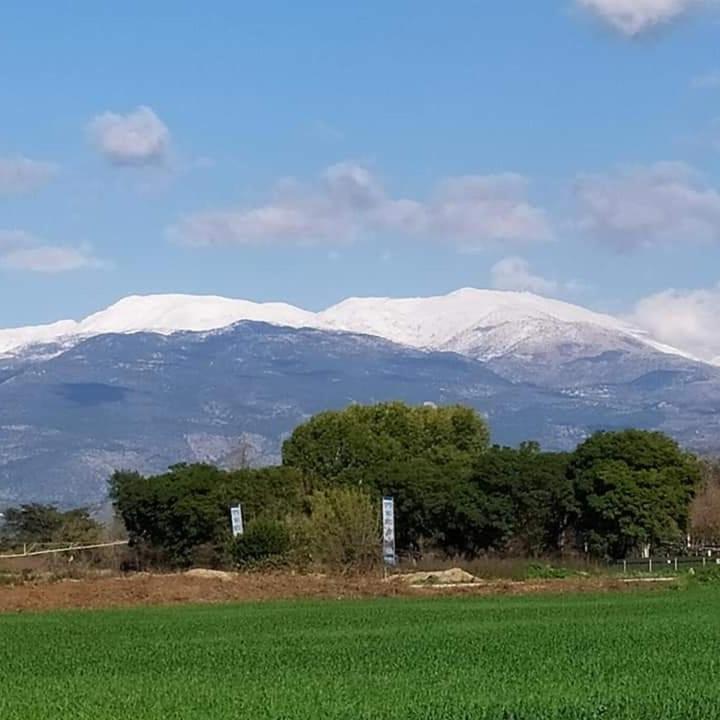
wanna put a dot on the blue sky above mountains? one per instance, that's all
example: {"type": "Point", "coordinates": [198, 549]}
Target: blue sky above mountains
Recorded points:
{"type": "Point", "coordinates": [311, 151]}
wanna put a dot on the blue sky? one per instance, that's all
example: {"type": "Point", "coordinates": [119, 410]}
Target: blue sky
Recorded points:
{"type": "Point", "coordinates": [311, 151]}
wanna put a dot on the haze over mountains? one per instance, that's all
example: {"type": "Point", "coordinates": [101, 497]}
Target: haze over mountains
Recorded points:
{"type": "Point", "coordinates": [155, 380]}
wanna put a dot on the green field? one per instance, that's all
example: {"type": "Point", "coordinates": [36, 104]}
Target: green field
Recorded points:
{"type": "Point", "coordinates": [650, 656]}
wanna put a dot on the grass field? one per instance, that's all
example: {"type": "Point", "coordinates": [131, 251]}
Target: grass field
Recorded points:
{"type": "Point", "coordinates": [645, 656]}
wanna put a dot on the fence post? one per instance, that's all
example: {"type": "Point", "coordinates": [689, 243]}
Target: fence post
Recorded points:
{"type": "Point", "coordinates": [650, 564]}
{"type": "Point", "coordinates": [676, 564]}
{"type": "Point", "coordinates": [624, 567]}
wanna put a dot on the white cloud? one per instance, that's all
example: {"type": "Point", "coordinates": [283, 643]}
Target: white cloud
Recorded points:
{"type": "Point", "coordinates": [513, 273]}
{"type": "Point", "coordinates": [648, 206]}
{"type": "Point", "coordinates": [22, 251]}
{"type": "Point", "coordinates": [687, 319]}
{"type": "Point", "coordinates": [20, 174]}
{"type": "Point", "coordinates": [708, 81]}
{"type": "Point", "coordinates": [475, 208]}
{"type": "Point", "coordinates": [633, 17]}
{"type": "Point", "coordinates": [135, 139]}
{"type": "Point", "coordinates": [349, 202]}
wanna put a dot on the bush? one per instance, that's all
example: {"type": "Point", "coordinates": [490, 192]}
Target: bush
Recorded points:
{"type": "Point", "coordinates": [264, 541]}
{"type": "Point", "coordinates": [344, 528]}
{"type": "Point", "coordinates": [540, 571]}
{"type": "Point", "coordinates": [210, 555]}
{"type": "Point", "coordinates": [707, 576]}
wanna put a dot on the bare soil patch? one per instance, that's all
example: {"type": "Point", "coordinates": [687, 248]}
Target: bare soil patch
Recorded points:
{"type": "Point", "coordinates": [147, 589]}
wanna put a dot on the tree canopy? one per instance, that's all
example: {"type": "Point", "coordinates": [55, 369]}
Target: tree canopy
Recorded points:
{"type": "Point", "coordinates": [46, 524]}
{"type": "Point", "coordinates": [634, 488]}
{"type": "Point", "coordinates": [528, 499]}
{"type": "Point", "coordinates": [356, 445]}
{"type": "Point", "coordinates": [454, 494]}
{"type": "Point", "coordinates": [187, 507]}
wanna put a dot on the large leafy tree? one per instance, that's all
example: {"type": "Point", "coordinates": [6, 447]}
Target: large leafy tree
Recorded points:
{"type": "Point", "coordinates": [527, 498]}
{"type": "Point", "coordinates": [437, 506]}
{"type": "Point", "coordinates": [422, 456]}
{"type": "Point", "coordinates": [634, 489]}
{"type": "Point", "coordinates": [356, 445]}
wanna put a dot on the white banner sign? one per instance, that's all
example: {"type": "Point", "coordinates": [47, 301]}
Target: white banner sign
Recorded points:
{"type": "Point", "coordinates": [237, 520]}
{"type": "Point", "coordinates": [388, 519]}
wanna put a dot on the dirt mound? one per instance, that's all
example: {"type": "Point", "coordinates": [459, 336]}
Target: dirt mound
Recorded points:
{"type": "Point", "coordinates": [454, 576]}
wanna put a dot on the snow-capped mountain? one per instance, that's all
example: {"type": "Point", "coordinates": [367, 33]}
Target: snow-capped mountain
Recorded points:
{"type": "Point", "coordinates": [161, 379]}
{"type": "Point", "coordinates": [483, 324]}
{"type": "Point", "coordinates": [162, 314]}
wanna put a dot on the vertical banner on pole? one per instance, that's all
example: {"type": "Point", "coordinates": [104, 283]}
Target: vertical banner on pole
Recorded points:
{"type": "Point", "coordinates": [388, 519]}
{"type": "Point", "coordinates": [237, 520]}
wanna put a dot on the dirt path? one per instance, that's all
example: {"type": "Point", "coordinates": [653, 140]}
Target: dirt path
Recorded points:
{"type": "Point", "coordinates": [146, 589]}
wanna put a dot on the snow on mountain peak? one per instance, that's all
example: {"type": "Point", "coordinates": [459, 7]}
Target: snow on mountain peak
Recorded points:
{"type": "Point", "coordinates": [484, 323]}
{"type": "Point", "coordinates": [14, 339]}
{"type": "Point", "coordinates": [163, 314]}
{"type": "Point", "coordinates": [166, 314]}
{"type": "Point", "coordinates": [487, 323]}
{"type": "Point", "coordinates": [434, 321]}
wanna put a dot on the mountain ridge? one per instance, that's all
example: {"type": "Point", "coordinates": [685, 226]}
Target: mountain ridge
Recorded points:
{"type": "Point", "coordinates": [481, 323]}
{"type": "Point", "coordinates": [143, 401]}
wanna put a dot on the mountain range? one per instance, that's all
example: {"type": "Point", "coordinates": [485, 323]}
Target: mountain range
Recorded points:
{"type": "Point", "coordinates": [154, 380]}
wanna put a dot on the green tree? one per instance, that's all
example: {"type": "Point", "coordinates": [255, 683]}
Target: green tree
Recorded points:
{"type": "Point", "coordinates": [527, 499]}
{"type": "Point", "coordinates": [634, 488]}
{"type": "Point", "coordinates": [263, 541]}
{"type": "Point", "coordinates": [187, 507]}
{"type": "Point", "coordinates": [46, 524]}
{"type": "Point", "coordinates": [422, 456]}
{"type": "Point", "coordinates": [436, 505]}
{"type": "Point", "coordinates": [356, 445]}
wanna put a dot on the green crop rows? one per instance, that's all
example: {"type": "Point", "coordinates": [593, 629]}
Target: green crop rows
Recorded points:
{"type": "Point", "coordinates": [648, 656]}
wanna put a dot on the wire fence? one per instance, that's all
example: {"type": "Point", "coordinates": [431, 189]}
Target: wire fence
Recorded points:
{"type": "Point", "coordinates": [666, 564]}
{"type": "Point", "coordinates": [32, 551]}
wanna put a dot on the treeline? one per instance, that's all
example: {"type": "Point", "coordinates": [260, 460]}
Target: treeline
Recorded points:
{"type": "Point", "coordinates": [46, 525]}
{"type": "Point", "coordinates": [455, 494]}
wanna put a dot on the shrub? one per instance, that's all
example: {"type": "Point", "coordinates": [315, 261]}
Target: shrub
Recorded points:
{"type": "Point", "coordinates": [210, 555]}
{"type": "Point", "coordinates": [265, 541]}
{"type": "Point", "coordinates": [540, 571]}
{"type": "Point", "coordinates": [707, 576]}
{"type": "Point", "coordinates": [344, 528]}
